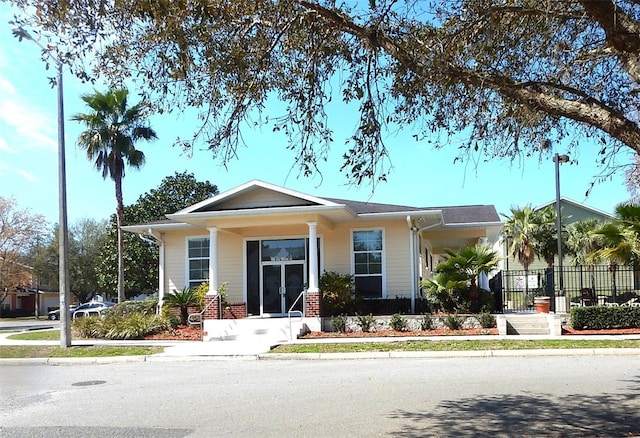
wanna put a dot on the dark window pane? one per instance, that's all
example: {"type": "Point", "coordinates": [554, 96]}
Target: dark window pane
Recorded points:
{"type": "Point", "coordinates": [369, 287]}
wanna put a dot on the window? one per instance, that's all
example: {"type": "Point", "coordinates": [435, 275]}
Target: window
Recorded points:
{"type": "Point", "coordinates": [197, 261]}
{"type": "Point", "coordinates": [367, 262]}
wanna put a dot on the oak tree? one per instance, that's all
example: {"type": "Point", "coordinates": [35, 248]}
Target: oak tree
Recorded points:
{"type": "Point", "coordinates": [496, 78]}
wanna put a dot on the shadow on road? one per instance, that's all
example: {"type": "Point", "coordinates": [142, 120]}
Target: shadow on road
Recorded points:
{"type": "Point", "coordinates": [530, 414]}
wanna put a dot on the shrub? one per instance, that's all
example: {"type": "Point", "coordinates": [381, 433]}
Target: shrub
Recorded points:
{"type": "Point", "coordinates": [486, 320]}
{"type": "Point", "coordinates": [183, 299]}
{"type": "Point", "coordinates": [339, 323]}
{"type": "Point", "coordinates": [602, 317]}
{"type": "Point", "coordinates": [146, 307]}
{"type": "Point", "coordinates": [337, 292]}
{"type": "Point", "coordinates": [453, 322]}
{"type": "Point", "coordinates": [398, 323]}
{"type": "Point", "coordinates": [366, 322]}
{"type": "Point", "coordinates": [426, 323]}
{"type": "Point", "coordinates": [88, 327]}
{"type": "Point", "coordinates": [134, 326]}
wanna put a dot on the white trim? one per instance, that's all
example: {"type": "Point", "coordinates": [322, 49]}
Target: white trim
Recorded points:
{"type": "Point", "coordinates": [187, 279]}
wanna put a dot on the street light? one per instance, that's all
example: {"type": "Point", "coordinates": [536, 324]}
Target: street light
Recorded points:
{"type": "Point", "coordinates": [63, 237]}
{"type": "Point", "coordinates": [559, 159]}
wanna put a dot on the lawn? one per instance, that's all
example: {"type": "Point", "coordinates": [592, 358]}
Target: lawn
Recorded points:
{"type": "Point", "coordinates": [456, 345]}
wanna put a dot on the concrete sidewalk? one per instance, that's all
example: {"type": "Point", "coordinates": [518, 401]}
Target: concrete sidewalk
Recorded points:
{"type": "Point", "coordinates": [247, 350]}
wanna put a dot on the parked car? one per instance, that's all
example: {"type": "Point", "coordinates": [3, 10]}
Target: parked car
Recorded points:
{"type": "Point", "coordinates": [93, 308]}
{"type": "Point", "coordinates": [54, 315]}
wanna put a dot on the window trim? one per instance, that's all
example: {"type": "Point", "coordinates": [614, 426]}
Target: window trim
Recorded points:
{"type": "Point", "coordinates": [383, 259]}
{"type": "Point", "coordinates": [187, 278]}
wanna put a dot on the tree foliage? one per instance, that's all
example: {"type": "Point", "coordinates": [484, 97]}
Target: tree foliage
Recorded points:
{"type": "Point", "coordinates": [86, 237]}
{"type": "Point", "coordinates": [19, 229]}
{"type": "Point", "coordinates": [511, 77]}
{"type": "Point", "coordinates": [141, 256]}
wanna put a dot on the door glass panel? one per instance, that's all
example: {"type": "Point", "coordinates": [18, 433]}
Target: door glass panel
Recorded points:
{"type": "Point", "coordinates": [294, 282]}
{"type": "Point", "coordinates": [283, 250]}
{"type": "Point", "coordinates": [271, 282]}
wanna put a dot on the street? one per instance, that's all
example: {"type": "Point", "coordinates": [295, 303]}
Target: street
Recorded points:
{"type": "Point", "coordinates": [537, 396]}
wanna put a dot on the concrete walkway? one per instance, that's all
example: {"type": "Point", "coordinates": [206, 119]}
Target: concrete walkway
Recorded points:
{"type": "Point", "coordinates": [245, 349]}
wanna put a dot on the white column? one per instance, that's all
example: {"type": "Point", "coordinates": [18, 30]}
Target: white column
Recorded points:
{"type": "Point", "coordinates": [313, 257]}
{"type": "Point", "coordinates": [213, 261]}
{"type": "Point", "coordinates": [161, 282]}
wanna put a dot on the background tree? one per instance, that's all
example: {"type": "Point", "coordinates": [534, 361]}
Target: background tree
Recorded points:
{"type": "Point", "coordinates": [141, 255]}
{"type": "Point", "coordinates": [513, 77]}
{"type": "Point", "coordinates": [18, 229]}
{"type": "Point", "coordinates": [619, 241]}
{"type": "Point", "coordinates": [113, 128]}
{"type": "Point", "coordinates": [86, 238]}
{"type": "Point", "coordinates": [581, 241]}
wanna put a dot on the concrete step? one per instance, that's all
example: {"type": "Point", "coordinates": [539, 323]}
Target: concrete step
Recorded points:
{"type": "Point", "coordinates": [252, 329]}
{"type": "Point", "coordinates": [528, 325]}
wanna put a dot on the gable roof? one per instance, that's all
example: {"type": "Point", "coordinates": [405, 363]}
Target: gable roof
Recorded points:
{"type": "Point", "coordinates": [257, 198]}
{"type": "Point", "coordinates": [586, 210]}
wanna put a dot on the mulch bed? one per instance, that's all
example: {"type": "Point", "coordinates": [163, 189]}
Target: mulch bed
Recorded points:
{"type": "Point", "coordinates": [185, 333]}
{"type": "Point", "coordinates": [393, 333]}
{"type": "Point", "coordinates": [629, 331]}
{"type": "Point", "coordinates": [180, 333]}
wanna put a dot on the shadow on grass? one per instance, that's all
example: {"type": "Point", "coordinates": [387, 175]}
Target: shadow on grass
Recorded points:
{"type": "Point", "coordinates": [530, 414]}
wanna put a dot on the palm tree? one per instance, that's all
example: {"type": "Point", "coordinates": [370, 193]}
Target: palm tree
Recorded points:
{"type": "Point", "coordinates": [109, 141]}
{"type": "Point", "coordinates": [581, 241]}
{"type": "Point", "coordinates": [472, 261]}
{"type": "Point", "coordinates": [523, 229]}
{"type": "Point", "coordinates": [619, 241]}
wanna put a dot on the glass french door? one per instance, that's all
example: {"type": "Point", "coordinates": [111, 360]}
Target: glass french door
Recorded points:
{"type": "Point", "coordinates": [282, 282]}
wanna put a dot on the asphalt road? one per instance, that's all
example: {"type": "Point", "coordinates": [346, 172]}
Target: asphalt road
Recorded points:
{"type": "Point", "coordinates": [28, 324]}
{"type": "Point", "coordinates": [465, 397]}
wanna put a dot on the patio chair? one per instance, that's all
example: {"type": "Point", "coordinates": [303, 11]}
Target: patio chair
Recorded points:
{"type": "Point", "coordinates": [588, 297]}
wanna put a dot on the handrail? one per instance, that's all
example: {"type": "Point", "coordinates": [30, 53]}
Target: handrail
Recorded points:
{"type": "Point", "coordinates": [300, 312]}
{"type": "Point", "coordinates": [199, 314]}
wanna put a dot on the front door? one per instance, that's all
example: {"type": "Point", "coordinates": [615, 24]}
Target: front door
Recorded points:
{"type": "Point", "coordinates": [282, 283]}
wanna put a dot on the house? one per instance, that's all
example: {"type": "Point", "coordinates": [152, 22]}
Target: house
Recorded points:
{"type": "Point", "coordinates": [268, 244]}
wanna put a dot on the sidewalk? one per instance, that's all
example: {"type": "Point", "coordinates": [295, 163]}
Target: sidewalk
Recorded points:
{"type": "Point", "coordinates": [246, 350]}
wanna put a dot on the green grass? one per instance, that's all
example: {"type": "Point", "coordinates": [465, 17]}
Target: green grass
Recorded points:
{"type": "Point", "coordinates": [467, 345]}
{"type": "Point", "coordinates": [42, 351]}
{"type": "Point", "coordinates": [41, 335]}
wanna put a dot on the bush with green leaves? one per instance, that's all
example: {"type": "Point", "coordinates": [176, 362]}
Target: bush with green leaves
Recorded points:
{"type": "Point", "coordinates": [133, 326]}
{"type": "Point", "coordinates": [486, 320]}
{"type": "Point", "coordinates": [398, 323]}
{"type": "Point", "coordinates": [426, 323]}
{"type": "Point", "coordinates": [146, 307]}
{"type": "Point", "coordinates": [366, 322]}
{"type": "Point", "coordinates": [453, 321]}
{"type": "Point", "coordinates": [339, 323]}
{"type": "Point", "coordinates": [88, 327]}
{"type": "Point", "coordinates": [183, 299]}
{"type": "Point", "coordinates": [337, 293]}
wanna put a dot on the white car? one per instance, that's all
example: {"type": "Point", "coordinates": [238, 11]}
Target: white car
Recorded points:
{"type": "Point", "coordinates": [93, 308]}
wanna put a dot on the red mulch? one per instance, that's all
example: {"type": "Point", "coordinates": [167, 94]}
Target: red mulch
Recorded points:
{"type": "Point", "coordinates": [393, 333]}
{"type": "Point", "coordinates": [180, 333]}
{"type": "Point", "coordinates": [185, 333]}
{"type": "Point", "coordinates": [628, 331]}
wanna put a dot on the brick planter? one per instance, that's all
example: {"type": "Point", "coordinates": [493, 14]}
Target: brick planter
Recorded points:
{"type": "Point", "coordinates": [235, 311]}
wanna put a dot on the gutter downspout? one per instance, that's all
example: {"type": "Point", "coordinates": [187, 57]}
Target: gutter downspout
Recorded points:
{"type": "Point", "coordinates": [161, 283]}
{"type": "Point", "coordinates": [414, 236]}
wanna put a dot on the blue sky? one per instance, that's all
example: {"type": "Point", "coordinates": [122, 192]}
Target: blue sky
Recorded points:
{"type": "Point", "coordinates": [421, 176]}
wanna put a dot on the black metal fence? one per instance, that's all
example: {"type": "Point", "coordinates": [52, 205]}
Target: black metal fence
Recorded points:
{"type": "Point", "coordinates": [601, 282]}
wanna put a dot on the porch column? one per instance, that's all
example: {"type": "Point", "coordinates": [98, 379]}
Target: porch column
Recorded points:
{"type": "Point", "coordinates": [161, 282]}
{"type": "Point", "coordinates": [313, 257]}
{"type": "Point", "coordinates": [213, 260]}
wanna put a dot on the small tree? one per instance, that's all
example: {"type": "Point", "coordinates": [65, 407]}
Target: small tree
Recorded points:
{"type": "Point", "coordinates": [337, 292]}
{"type": "Point", "coordinates": [183, 299]}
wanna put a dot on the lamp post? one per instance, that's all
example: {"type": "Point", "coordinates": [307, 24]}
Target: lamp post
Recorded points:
{"type": "Point", "coordinates": [559, 159]}
{"type": "Point", "coordinates": [63, 235]}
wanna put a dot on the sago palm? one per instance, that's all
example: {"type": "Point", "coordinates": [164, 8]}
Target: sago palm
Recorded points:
{"type": "Point", "coordinates": [112, 129]}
